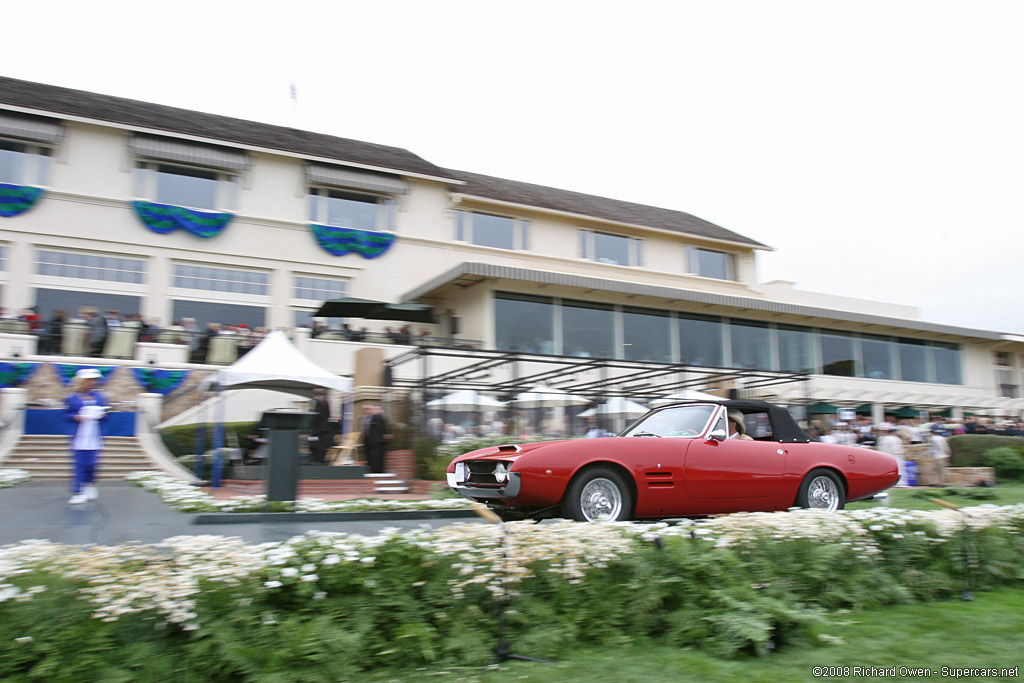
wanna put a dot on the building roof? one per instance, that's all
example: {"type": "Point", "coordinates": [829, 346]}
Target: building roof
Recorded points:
{"type": "Point", "coordinates": [517, 192]}
{"type": "Point", "coordinates": [119, 110]}
{"type": "Point", "coordinates": [470, 272]}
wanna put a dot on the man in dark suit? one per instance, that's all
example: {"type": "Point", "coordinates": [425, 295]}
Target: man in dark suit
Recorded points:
{"type": "Point", "coordinates": [375, 435]}
{"type": "Point", "coordinates": [322, 433]}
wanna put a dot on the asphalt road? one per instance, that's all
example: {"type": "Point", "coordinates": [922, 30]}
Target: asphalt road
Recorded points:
{"type": "Point", "coordinates": [125, 513]}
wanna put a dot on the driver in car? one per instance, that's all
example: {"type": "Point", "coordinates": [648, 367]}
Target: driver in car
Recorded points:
{"type": "Point", "coordinates": [737, 430]}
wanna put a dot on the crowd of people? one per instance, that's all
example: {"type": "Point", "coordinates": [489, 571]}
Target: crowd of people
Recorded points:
{"type": "Point", "coordinates": [402, 335]}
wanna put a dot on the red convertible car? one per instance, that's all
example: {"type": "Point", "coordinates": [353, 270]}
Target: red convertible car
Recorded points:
{"type": "Point", "coordinates": [675, 461]}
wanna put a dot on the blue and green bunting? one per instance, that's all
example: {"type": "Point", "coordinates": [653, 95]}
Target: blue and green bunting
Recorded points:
{"type": "Point", "coordinates": [165, 218]}
{"type": "Point", "coordinates": [66, 372]}
{"type": "Point", "coordinates": [15, 374]}
{"type": "Point", "coordinates": [16, 199]}
{"type": "Point", "coordinates": [159, 381]}
{"type": "Point", "coordinates": [340, 241]}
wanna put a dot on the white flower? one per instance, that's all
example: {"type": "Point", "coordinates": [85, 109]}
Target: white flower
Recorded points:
{"type": "Point", "coordinates": [307, 568]}
{"type": "Point", "coordinates": [289, 572]}
{"type": "Point", "coordinates": [272, 584]}
{"type": "Point", "coordinates": [310, 577]}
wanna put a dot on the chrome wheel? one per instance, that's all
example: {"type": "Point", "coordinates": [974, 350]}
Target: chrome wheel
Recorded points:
{"type": "Point", "coordinates": [823, 494]}
{"type": "Point", "coordinates": [601, 500]}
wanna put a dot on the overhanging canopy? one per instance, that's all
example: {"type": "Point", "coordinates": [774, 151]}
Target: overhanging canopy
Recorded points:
{"type": "Point", "coordinates": [350, 307]}
{"type": "Point", "coordinates": [276, 364]}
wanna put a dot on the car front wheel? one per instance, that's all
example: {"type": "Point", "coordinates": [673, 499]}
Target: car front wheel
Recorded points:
{"type": "Point", "coordinates": [599, 494]}
{"type": "Point", "coordinates": [822, 490]}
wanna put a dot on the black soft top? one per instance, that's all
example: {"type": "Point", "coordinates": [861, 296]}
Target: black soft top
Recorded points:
{"type": "Point", "coordinates": [784, 427]}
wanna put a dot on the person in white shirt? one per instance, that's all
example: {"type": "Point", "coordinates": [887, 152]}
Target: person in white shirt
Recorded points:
{"type": "Point", "coordinates": [890, 443]}
{"type": "Point", "coordinates": [85, 409]}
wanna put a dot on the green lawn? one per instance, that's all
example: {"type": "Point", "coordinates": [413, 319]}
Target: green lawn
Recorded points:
{"type": "Point", "coordinates": [988, 632]}
{"type": "Point", "coordinates": [918, 498]}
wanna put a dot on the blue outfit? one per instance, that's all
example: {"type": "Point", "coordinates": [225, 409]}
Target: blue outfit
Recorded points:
{"type": "Point", "coordinates": [86, 440]}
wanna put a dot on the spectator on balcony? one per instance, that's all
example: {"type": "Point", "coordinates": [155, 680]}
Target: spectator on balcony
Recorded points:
{"type": "Point", "coordinates": [54, 337]}
{"type": "Point", "coordinates": [34, 320]}
{"type": "Point", "coordinates": [97, 332]}
{"type": "Point", "coordinates": [192, 330]}
{"type": "Point", "coordinates": [113, 319]}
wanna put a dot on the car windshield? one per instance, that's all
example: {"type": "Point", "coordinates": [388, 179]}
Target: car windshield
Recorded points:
{"type": "Point", "coordinates": [681, 421]}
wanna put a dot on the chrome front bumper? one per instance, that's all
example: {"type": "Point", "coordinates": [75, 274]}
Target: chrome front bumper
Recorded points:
{"type": "Point", "coordinates": [509, 490]}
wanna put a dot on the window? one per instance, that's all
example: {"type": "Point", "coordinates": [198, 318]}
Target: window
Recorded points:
{"type": "Point", "coordinates": [913, 360]}
{"type": "Point", "coordinates": [708, 263]}
{"type": "Point", "coordinates": [90, 266]}
{"type": "Point", "coordinates": [3, 257]}
{"type": "Point", "coordinates": [1004, 374]}
{"type": "Point", "coordinates": [947, 362]}
{"type": "Point", "coordinates": [23, 163]}
{"type": "Point", "coordinates": [488, 230]}
{"type": "Point", "coordinates": [588, 329]}
{"type": "Point", "coordinates": [700, 340]}
{"type": "Point", "coordinates": [318, 288]}
{"type": "Point", "coordinates": [220, 279]}
{"type": "Point", "coordinates": [50, 300]}
{"type": "Point", "coordinates": [837, 357]}
{"type": "Point", "coordinates": [877, 352]}
{"type": "Point", "coordinates": [615, 250]}
{"type": "Point", "coordinates": [344, 209]}
{"type": "Point", "coordinates": [188, 186]}
{"type": "Point", "coordinates": [228, 314]}
{"type": "Point", "coordinates": [647, 334]}
{"type": "Point", "coordinates": [751, 345]}
{"type": "Point", "coordinates": [524, 323]}
{"type": "Point", "coordinates": [796, 349]}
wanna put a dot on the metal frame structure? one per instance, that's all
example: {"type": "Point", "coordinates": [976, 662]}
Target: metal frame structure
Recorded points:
{"type": "Point", "coordinates": [433, 370]}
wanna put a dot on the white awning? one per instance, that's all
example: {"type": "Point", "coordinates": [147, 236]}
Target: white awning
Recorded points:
{"type": "Point", "coordinates": [169, 149]}
{"type": "Point", "coordinates": [355, 178]}
{"type": "Point", "coordinates": [30, 127]}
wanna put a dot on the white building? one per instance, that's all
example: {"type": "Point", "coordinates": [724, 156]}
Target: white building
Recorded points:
{"type": "Point", "coordinates": [132, 216]}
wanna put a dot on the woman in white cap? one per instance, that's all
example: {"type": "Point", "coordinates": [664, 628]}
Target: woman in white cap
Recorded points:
{"type": "Point", "coordinates": [737, 429]}
{"type": "Point", "coordinates": [84, 409]}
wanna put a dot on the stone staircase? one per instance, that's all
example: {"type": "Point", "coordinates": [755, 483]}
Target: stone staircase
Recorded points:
{"type": "Point", "coordinates": [387, 483]}
{"type": "Point", "coordinates": [48, 457]}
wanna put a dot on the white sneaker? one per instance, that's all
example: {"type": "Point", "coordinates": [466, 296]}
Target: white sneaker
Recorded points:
{"type": "Point", "coordinates": [77, 499]}
{"type": "Point", "coordinates": [90, 492]}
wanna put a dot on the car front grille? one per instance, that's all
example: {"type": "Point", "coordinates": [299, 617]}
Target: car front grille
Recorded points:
{"type": "Point", "coordinates": [481, 473]}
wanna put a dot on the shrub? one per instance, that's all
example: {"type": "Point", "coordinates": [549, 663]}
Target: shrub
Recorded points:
{"type": "Point", "coordinates": [1007, 461]}
{"type": "Point", "coordinates": [968, 450]}
{"type": "Point", "coordinates": [181, 439]}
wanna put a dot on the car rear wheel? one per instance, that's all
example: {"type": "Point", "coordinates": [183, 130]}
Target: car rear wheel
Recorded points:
{"type": "Point", "coordinates": [822, 490]}
{"type": "Point", "coordinates": [599, 494]}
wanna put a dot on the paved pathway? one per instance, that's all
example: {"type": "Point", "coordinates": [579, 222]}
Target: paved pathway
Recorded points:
{"type": "Point", "coordinates": [126, 513]}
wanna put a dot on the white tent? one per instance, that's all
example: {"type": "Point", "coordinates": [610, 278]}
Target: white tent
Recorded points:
{"type": "Point", "coordinates": [277, 365]}
{"type": "Point", "coordinates": [616, 406]}
{"type": "Point", "coordinates": [466, 399]}
{"type": "Point", "coordinates": [684, 395]}
{"type": "Point", "coordinates": [542, 396]}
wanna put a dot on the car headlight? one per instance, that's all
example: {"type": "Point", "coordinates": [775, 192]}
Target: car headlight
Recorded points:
{"type": "Point", "coordinates": [460, 472]}
{"type": "Point", "coordinates": [501, 473]}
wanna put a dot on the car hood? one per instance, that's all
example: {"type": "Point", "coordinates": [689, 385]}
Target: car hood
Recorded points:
{"type": "Point", "coordinates": [507, 452]}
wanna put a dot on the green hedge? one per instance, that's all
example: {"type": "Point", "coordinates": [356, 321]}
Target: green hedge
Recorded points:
{"type": "Point", "coordinates": [1004, 453]}
{"type": "Point", "coordinates": [328, 607]}
{"type": "Point", "coordinates": [181, 440]}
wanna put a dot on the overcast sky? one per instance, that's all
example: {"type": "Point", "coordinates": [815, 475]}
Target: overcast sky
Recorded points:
{"type": "Point", "coordinates": [877, 146]}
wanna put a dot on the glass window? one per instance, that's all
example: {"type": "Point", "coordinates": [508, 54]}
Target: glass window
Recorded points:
{"type": "Point", "coordinates": [913, 360]}
{"type": "Point", "coordinates": [700, 340]}
{"type": "Point", "coordinates": [647, 334]}
{"type": "Point", "coordinates": [23, 164]}
{"type": "Point", "coordinates": [588, 329]}
{"type": "Point", "coordinates": [50, 300]}
{"type": "Point", "coordinates": [877, 353]}
{"type": "Point", "coordinates": [488, 230]}
{"type": "Point", "coordinates": [349, 210]}
{"type": "Point", "coordinates": [708, 263]}
{"type": "Point", "coordinates": [947, 363]}
{"type": "Point", "coordinates": [228, 314]}
{"type": "Point", "coordinates": [837, 354]}
{"type": "Point", "coordinates": [184, 186]}
{"type": "Point", "coordinates": [751, 345]}
{"type": "Point", "coordinates": [796, 349]}
{"type": "Point", "coordinates": [524, 323]}
{"type": "Point", "coordinates": [304, 318]}
{"type": "Point", "coordinates": [317, 288]}
{"type": "Point", "coordinates": [221, 280]}
{"type": "Point", "coordinates": [611, 249]}
{"type": "Point", "coordinates": [684, 421]}
{"type": "Point", "coordinates": [89, 266]}
{"type": "Point", "coordinates": [3, 257]}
